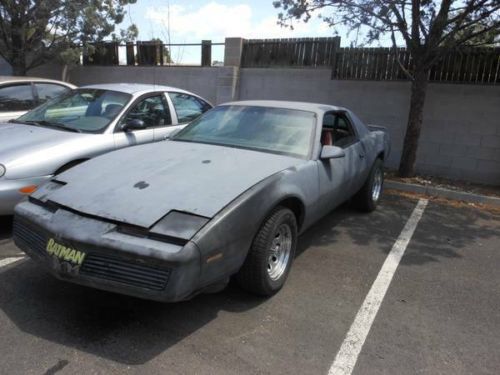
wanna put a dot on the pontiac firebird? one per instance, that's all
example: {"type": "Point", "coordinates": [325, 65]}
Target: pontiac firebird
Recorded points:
{"type": "Point", "coordinates": [225, 197]}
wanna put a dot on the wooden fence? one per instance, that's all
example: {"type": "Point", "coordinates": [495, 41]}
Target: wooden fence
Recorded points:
{"type": "Point", "coordinates": [304, 52]}
{"type": "Point", "coordinates": [472, 65]}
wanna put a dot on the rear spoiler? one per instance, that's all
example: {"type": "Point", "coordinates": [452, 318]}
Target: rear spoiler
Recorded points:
{"type": "Point", "coordinates": [377, 127]}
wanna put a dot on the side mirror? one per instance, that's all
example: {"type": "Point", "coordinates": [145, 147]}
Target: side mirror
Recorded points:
{"type": "Point", "coordinates": [133, 124]}
{"type": "Point", "coordinates": [331, 152]}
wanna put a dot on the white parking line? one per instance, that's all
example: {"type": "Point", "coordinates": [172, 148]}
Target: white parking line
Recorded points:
{"type": "Point", "coordinates": [5, 262]}
{"type": "Point", "coordinates": [351, 347]}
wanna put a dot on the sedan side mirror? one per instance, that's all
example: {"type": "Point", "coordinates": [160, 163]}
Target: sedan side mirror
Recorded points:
{"type": "Point", "coordinates": [331, 152]}
{"type": "Point", "coordinates": [133, 124]}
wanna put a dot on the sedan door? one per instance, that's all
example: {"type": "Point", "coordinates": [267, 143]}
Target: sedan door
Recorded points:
{"type": "Point", "coordinates": [185, 108]}
{"type": "Point", "coordinates": [153, 111]}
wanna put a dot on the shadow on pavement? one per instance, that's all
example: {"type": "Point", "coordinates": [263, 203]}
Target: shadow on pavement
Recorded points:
{"type": "Point", "coordinates": [445, 231]}
{"type": "Point", "coordinates": [124, 329]}
{"type": "Point", "coordinates": [5, 227]}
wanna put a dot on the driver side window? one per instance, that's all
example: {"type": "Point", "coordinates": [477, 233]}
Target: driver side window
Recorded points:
{"type": "Point", "coordinates": [152, 110]}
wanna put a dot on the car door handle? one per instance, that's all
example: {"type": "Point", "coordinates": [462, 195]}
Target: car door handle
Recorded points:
{"type": "Point", "coordinates": [361, 156]}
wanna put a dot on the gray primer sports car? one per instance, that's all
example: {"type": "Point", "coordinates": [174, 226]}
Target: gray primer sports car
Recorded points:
{"type": "Point", "coordinates": [83, 123]}
{"type": "Point", "coordinates": [225, 196]}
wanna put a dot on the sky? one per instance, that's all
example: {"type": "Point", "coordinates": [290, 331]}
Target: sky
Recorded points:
{"type": "Point", "coordinates": [196, 20]}
{"type": "Point", "coordinates": [192, 21]}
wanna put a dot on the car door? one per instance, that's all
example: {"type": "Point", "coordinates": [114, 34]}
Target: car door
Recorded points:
{"type": "Point", "coordinates": [153, 111]}
{"type": "Point", "coordinates": [162, 132]}
{"type": "Point", "coordinates": [185, 108]}
{"type": "Point", "coordinates": [15, 100]}
{"type": "Point", "coordinates": [46, 90]}
{"type": "Point", "coordinates": [338, 176]}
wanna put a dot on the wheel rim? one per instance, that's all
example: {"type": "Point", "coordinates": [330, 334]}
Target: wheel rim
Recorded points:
{"type": "Point", "coordinates": [377, 185]}
{"type": "Point", "coordinates": [279, 253]}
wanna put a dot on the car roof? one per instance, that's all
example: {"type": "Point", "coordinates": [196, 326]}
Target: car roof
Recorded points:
{"type": "Point", "coordinates": [135, 88]}
{"type": "Point", "coordinates": [8, 79]}
{"type": "Point", "coordinates": [302, 106]}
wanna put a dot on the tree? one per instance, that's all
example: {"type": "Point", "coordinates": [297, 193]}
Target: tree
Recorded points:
{"type": "Point", "coordinates": [33, 32]}
{"type": "Point", "coordinates": [429, 28]}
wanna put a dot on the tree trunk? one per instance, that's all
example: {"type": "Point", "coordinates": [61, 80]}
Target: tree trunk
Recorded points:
{"type": "Point", "coordinates": [64, 73]}
{"type": "Point", "coordinates": [18, 61]}
{"type": "Point", "coordinates": [415, 118]}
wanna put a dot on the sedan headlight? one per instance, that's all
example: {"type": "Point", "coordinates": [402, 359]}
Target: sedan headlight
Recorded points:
{"type": "Point", "coordinates": [2, 170]}
{"type": "Point", "coordinates": [180, 225]}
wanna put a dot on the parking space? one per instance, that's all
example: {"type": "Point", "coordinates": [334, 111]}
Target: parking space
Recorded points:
{"type": "Point", "coordinates": [441, 313]}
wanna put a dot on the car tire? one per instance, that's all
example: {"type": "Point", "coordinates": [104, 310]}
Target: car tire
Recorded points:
{"type": "Point", "coordinates": [368, 197]}
{"type": "Point", "coordinates": [270, 257]}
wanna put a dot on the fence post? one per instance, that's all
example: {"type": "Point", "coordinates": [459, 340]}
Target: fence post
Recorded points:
{"type": "Point", "coordinates": [206, 53]}
{"type": "Point", "coordinates": [233, 51]}
{"type": "Point", "coordinates": [130, 53]}
{"type": "Point", "coordinates": [228, 76]}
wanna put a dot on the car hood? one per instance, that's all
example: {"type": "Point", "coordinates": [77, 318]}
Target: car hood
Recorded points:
{"type": "Point", "coordinates": [18, 140]}
{"type": "Point", "coordinates": [139, 185]}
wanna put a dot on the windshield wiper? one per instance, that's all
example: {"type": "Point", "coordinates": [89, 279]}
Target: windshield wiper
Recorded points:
{"type": "Point", "coordinates": [53, 124]}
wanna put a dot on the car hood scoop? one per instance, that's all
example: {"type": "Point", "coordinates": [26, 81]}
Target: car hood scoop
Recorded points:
{"type": "Point", "coordinates": [139, 185]}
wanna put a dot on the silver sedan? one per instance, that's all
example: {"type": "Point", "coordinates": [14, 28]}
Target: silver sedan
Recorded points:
{"type": "Point", "coordinates": [83, 123]}
{"type": "Point", "coordinates": [18, 95]}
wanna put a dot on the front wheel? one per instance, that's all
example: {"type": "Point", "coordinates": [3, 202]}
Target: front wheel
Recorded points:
{"type": "Point", "coordinates": [368, 197]}
{"type": "Point", "coordinates": [271, 255]}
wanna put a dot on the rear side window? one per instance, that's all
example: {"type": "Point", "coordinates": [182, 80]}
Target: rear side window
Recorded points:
{"type": "Point", "coordinates": [16, 98]}
{"type": "Point", "coordinates": [187, 106]}
{"type": "Point", "coordinates": [343, 132]}
{"type": "Point", "coordinates": [48, 91]}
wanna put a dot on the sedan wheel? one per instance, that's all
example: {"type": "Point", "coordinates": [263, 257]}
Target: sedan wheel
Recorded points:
{"type": "Point", "coordinates": [270, 258]}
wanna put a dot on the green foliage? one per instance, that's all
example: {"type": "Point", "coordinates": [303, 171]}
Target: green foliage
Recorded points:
{"type": "Point", "coordinates": [33, 32]}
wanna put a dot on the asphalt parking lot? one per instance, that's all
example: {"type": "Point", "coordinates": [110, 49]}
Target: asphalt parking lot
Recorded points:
{"type": "Point", "coordinates": [440, 314]}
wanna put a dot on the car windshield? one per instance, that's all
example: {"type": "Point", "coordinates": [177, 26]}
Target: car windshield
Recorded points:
{"type": "Point", "coordinates": [276, 130]}
{"type": "Point", "coordinates": [80, 110]}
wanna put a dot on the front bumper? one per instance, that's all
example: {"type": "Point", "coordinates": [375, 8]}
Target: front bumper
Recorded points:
{"type": "Point", "coordinates": [105, 258]}
{"type": "Point", "coordinates": [10, 195]}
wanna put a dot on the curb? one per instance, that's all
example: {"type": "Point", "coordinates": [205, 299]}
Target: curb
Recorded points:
{"type": "Point", "coordinates": [444, 193]}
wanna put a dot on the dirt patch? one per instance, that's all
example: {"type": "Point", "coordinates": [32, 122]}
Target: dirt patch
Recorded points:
{"type": "Point", "coordinates": [439, 182]}
{"type": "Point", "coordinates": [446, 201]}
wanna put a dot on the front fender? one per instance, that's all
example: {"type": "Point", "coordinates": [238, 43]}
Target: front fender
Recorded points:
{"type": "Point", "coordinates": [224, 242]}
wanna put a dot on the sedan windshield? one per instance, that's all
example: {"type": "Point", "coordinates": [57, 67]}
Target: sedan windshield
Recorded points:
{"type": "Point", "coordinates": [81, 110]}
{"type": "Point", "coordinates": [276, 130]}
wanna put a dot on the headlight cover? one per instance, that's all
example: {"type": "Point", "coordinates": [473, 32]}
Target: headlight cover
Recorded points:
{"type": "Point", "coordinates": [178, 224]}
{"type": "Point", "coordinates": [2, 170]}
{"type": "Point", "coordinates": [44, 190]}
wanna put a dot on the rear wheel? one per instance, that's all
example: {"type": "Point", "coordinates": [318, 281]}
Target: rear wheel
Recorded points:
{"type": "Point", "coordinates": [368, 197]}
{"type": "Point", "coordinates": [271, 255]}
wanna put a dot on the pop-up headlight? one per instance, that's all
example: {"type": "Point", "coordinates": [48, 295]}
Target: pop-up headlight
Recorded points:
{"type": "Point", "coordinates": [44, 190]}
{"type": "Point", "coordinates": [178, 224]}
